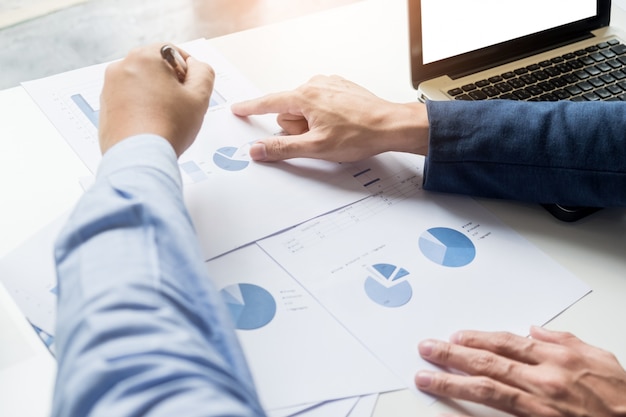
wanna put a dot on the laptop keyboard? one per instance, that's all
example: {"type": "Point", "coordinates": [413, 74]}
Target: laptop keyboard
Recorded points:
{"type": "Point", "coordinates": [597, 72]}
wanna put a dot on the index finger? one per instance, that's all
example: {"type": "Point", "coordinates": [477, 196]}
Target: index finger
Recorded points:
{"type": "Point", "coordinates": [282, 102]}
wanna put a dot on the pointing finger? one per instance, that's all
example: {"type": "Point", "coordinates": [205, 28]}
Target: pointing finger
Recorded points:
{"type": "Point", "coordinates": [283, 102]}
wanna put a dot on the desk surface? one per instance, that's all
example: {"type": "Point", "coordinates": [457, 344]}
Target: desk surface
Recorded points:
{"type": "Point", "coordinates": [366, 42]}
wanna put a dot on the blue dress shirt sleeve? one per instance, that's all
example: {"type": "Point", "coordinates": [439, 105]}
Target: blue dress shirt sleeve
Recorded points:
{"type": "Point", "coordinates": [558, 152]}
{"type": "Point", "coordinates": [141, 331]}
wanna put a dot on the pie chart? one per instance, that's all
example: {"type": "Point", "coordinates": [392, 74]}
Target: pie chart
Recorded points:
{"type": "Point", "coordinates": [447, 247]}
{"type": "Point", "coordinates": [230, 158]}
{"type": "Point", "coordinates": [250, 306]}
{"type": "Point", "coordinates": [387, 287]}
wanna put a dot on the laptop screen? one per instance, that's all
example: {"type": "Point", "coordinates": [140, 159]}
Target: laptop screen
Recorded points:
{"type": "Point", "coordinates": [471, 32]}
{"type": "Point", "coordinates": [459, 36]}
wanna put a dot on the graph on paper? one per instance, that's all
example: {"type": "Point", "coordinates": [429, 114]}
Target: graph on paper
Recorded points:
{"type": "Point", "coordinates": [71, 101]}
{"type": "Point", "coordinates": [387, 286]}
{"type": "Point", "coordinates": [230, 158]}
{"type": "Point", "coordinates": [251, 306]}
{"type": "Point", "coordinates": [447, 247]}
{"type": "Point", "coordinates": [390, 180]}
{"type": "Point", "coordinates": [90, 108]}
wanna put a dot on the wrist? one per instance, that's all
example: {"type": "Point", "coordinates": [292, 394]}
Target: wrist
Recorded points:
{"type": "Point", "coordinates": [410, 129]}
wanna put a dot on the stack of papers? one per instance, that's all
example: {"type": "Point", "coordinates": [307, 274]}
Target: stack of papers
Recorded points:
{"type": "Point", "coordinates": [351, 267]}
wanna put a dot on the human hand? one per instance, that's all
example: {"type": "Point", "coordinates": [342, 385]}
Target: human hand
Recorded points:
{"type": "Point", "coordinates": [334, 119]}
{"type": "Point", "coordinates": [550, 374]}
{"type": "Point", "coordinates": [142, 94]}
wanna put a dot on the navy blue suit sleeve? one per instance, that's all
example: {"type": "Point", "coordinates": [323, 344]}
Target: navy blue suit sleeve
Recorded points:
{"type": "Point", "coordinates": [553, 152]}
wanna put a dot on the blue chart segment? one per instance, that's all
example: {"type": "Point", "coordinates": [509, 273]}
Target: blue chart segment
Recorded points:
{"type": "Point", "coordinates": [230, 159]}
{"type": "Point", "coordinates": [94, 114]}
{"type": "Point", "coordinates": [216, 99]}
{"type": "Point", "coordinates": [193, 170]}
{"type": "Point", "coordinates": [46, 338]}
{"type": "Point", "coordinates": [447, 247]}
{"type": "Point", "coordinates": [250, 306]}
{"type": "Point", "coordinates": [89, 112]}
{"type": "Point", "coordinates": [388, 287]}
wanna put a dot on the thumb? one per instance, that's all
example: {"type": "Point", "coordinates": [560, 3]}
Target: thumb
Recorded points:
{"type": "Point", "coordinates": [279, 148]}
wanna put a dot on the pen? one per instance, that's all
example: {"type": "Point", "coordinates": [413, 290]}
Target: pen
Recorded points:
{"type": "Point", "coordinates": [176, 61]}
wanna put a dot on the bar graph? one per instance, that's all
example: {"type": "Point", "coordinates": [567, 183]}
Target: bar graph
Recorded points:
{"type": "Point", "coordinates": [86, 108]}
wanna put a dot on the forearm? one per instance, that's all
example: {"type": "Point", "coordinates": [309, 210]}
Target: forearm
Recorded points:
{"type": "Point", "coordinates": [140, 329]}
{"type": "Point", "coordinates": [567, 153]}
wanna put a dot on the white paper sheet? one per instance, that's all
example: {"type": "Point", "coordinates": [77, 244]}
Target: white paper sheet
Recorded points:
{"type": "Point", "coordinates": [335, 408]}
{"type": "Point", "coordinates": [27, 369]}
{"type": "Point", "coordinates": [29, 275]}
{"type": "Point", "coordinates": [422, 267]}
{"type": "Point", "coordinates": [233, 201]}
{"type": "Point", "coordinates": [365, 406]}
{"type": "Point", "coordinates": [298, 353]}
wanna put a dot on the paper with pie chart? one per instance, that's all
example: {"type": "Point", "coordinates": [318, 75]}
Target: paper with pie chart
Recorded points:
{"type": "Point", "coordinates": [289, 339]}
{"type": "Point", "coordinates": [424, 267]}
{"type": "Point", "coordinates": [251, 306]}
{"type": "Point", "coordinates": [231, 158]}
{"type": "Point", "coordinates": [225, 191]}
{"type": "Point", "coordinates": [386, 285]}
{"type": "Point", "coordinates": [447, 247]}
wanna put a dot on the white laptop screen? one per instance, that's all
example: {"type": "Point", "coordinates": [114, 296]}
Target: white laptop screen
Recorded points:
{"type": "Point", "coordinates": [460, 37]}
{"type": "Point", "coordinates": [454, 27]}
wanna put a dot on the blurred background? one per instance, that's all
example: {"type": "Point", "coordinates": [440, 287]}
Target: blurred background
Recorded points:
{"type": "Point", "coordinates": [45, 37]}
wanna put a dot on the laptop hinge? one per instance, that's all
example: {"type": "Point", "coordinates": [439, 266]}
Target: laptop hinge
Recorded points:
{"type": "Point", "coordinates": [492, 64]}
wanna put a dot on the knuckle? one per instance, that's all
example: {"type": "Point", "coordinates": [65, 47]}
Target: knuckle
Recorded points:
{"type": "Point", "coordinates": [444, 385]}
{"type": "Point", "coordinates": [504, 339]}
{"type": "Point", "coordinates": [570, 359]}
{"type": "Point", "coordinates": [441, 384]}
{"type": "Point", "coordinates": [442, 352]}
{"type": "Point", "coordinates": [484, 363]}
{"type": "Point", "coordinates": [307, 93]}
{"type": "Point", "coordinates": [555, 387]}
{"type": "Point", "coordinates": [484, 390]}
{"type": "Point", "coordinates": [277, 148]}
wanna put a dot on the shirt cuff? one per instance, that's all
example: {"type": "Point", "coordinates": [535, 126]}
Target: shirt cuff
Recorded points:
{"type": "Point", "coordinates": [145, 150]}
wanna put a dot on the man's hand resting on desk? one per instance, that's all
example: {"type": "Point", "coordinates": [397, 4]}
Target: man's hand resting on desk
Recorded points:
{"type": "Point", "coordinates": [334, 119]}
{"type": "Point", "coordinates": [142, 94]}
{"type": "Point", "coordinates": [550, 374]}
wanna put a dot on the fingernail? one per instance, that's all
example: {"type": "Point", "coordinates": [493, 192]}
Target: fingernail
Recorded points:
{"type": "Point", "coordinates": [426, 348]}
{"type": "Point", "coordinates": [423, 379]}
{"type": "Point", "coordinates": [456, 337]}
{"type": "Point", "coordinates": [258, 152]}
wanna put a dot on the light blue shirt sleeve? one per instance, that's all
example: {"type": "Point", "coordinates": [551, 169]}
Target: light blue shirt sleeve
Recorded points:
{"type": "Point", "coordinates": [141, 331]}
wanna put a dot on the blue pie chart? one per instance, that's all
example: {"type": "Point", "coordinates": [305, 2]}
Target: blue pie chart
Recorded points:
{"type": "Point", "coordinates": [447, 247]}
{"type": "Point", "coordinates": [227, 159]}
{"type": "Point", "coordinates": [387, 286]}
{"type": "Point", "coordinates": [250, 306]}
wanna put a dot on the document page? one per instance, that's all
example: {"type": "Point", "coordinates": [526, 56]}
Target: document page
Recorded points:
{"type": "Point", "coordinates": [419, 267]}
{"type": "Point", "coordinates": [233, 200]}
{"type": "Point", "coordinates": [297, 352]}
{"type": "Point", "coordinates": [303, 361]}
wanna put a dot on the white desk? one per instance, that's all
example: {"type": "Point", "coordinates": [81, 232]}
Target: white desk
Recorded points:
{"type": "Point", "coordinates": [366, 42]}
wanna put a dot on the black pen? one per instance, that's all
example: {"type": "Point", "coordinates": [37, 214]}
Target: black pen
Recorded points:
{"type": "Point", "coordinates": [176, 61]}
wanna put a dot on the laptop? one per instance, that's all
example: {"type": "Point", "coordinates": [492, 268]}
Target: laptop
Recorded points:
{"type": "Point", "coordinates": [532, 50]}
